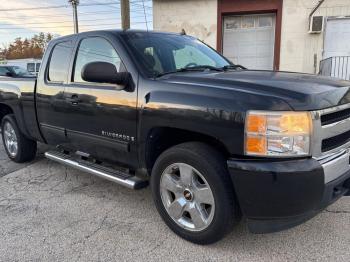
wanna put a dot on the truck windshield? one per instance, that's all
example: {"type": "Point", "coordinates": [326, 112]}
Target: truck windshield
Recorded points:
{"type": "Point", "coordinates": [159, 54]}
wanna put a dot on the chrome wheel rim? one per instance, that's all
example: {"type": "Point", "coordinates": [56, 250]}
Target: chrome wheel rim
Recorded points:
{"type": "Point", "coordinates": [187, 197]}
{"type": "Point", "coordinates": [10, 139]}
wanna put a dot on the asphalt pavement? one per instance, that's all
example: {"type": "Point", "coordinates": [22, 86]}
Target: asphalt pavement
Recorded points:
{"type": "Point", "coordinates": [52, 213]}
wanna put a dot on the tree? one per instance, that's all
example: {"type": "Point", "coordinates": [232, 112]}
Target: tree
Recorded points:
{"type": "Point", "coordinates": [26, 48]}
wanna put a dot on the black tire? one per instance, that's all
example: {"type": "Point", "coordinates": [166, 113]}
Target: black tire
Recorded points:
{"type": "Point", "coordinates": [26, 147]}
{"type": "Point", "coordinates": [212, 165]}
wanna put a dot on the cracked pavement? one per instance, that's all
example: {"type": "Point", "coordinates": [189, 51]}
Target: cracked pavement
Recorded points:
{"type": "Point", "coordinates": [52, 213]}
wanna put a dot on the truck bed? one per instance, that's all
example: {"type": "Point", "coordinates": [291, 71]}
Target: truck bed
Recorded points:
{"type": "Point", "coordinates": [18, 93]}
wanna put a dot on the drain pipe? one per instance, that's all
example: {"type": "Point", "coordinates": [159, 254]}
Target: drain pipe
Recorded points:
{"type": "Point", "coordinates": [310, 17]}
{"type": "Point", "coordinates": [315, 9]}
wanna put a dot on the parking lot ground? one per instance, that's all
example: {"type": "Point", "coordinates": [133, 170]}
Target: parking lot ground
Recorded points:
{"type": "Point", "coordinates": [7, 166]}
{"type": "Point", "coordinates": [52, 213]}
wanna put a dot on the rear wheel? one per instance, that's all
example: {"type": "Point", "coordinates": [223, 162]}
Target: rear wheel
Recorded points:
{"type": "Point", "coordinates": [19, 148]}
{"type": "Point", "coordinates": [193, 192]}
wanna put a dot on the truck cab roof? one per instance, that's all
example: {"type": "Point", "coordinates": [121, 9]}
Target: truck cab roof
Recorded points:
{"type": "Point", "coordinates": [115, 32]}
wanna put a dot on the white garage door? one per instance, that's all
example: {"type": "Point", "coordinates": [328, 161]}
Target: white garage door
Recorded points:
{"type": "Point", "coordinates": [337, 39]}
{"type": "Point", "coordinates": [249, 40]}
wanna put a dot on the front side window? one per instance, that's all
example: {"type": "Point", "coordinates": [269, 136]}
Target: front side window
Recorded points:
{"type": "Point", "coordinates": [59, 62]}
{"type": "Point", "coordinates": [94, 49]}
{"type": "Point", "coordinates": [37, 67]}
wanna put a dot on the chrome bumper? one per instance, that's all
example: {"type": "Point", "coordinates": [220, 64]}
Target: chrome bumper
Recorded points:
{"type": "Point", "coordinates": [335, 165]}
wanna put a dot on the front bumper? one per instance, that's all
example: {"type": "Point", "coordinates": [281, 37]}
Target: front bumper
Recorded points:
{"type": "Point", "coordinates": [277, 195]}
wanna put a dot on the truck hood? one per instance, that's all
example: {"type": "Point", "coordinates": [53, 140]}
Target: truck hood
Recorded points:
{"type": "Point", "coordinates": [300, 91]}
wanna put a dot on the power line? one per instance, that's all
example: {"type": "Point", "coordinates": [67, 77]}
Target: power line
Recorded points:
{"type": "Point", "coordinates": [52, 27]}
{"type": "Point", "coordinates": [80, 14]}
{"type": "Point", "coordinates": [118, 2]}
{"type": "Point", "coordinates": [61, 15]}
{"type": "Point", "coordinates": [139, 9]}
{"type": "Point", "coordinates": [59, 6]}
{"type": "Point", "coordinates": [59, 22]}
{"type": "Point", "coordinates": [68, 21]}
{"type": "Point", "coordinates": [33, 8]}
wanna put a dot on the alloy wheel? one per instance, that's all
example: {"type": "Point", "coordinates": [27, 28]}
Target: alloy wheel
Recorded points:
{"type": "Point", "coordinates": [187, 197]}
{"type": "Point", "coordinates": [10, 139]}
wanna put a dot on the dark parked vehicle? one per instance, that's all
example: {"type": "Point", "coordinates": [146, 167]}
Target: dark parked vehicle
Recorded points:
{"type": "Point", "coordinates": [215, 140]}
{"type": "Point", "coordinates": [14, 71]}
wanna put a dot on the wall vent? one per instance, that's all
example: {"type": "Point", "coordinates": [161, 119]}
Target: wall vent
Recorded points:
{"type": "Point", "coordinates": [316, 24]}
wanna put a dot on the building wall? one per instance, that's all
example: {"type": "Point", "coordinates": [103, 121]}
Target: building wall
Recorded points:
{"type": "Point", "coordinates": [196, 17]}
{"type": "Point", "coordinates": [298, 47]}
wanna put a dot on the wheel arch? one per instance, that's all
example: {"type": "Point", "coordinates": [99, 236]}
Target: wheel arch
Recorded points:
{"type": "Point", "coordinates": [5, 110]}
{"type": "Point", "coordinates": [15, 107]}
{"type": "Point", "coordinates": [161, 138]}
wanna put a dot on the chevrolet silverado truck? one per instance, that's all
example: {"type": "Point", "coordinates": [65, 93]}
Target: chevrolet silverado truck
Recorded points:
{"type": "Point", "coordinates": [216, 141]}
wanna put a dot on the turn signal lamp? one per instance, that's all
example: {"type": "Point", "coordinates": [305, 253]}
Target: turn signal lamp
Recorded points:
{"type": "Point", "coordinates": [277, 134]}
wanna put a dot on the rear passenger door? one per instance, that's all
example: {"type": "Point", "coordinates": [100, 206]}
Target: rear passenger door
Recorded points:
{"type": "Point", "coordinates": [102, 119]}
{"type": "Point", "coordinates": [51, 107]}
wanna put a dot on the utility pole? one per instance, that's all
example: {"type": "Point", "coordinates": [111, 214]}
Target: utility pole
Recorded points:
{"type": "Point", "coordinates": [75, 3]}
{"type": "Point", "coordinates": [125, 14]}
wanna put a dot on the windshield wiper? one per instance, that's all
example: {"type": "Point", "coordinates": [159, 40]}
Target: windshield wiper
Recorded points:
{"type": "Point", "coordinates": [203, 67]}
{"type": "Point", "coordinates": [235, 67]}
{"type": "Point", "coordinates": [189, 69]}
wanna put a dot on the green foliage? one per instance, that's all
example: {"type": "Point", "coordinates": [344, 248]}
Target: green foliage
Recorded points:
{"type": "Point", "coordinates": [26, 48]}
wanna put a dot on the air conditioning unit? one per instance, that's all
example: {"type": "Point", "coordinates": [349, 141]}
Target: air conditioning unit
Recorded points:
{"type": "Point", "coordinates": [316, 24]}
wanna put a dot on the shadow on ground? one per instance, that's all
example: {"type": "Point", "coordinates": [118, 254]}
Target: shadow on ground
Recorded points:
{"type": "Point", "coordinates": [7, 166]}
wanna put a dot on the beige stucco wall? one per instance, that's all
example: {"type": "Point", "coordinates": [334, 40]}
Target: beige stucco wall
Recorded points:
{"type": "Point", "coordinates": [197, 17]}
{"type": "Point", "coordinates": [298, 47]}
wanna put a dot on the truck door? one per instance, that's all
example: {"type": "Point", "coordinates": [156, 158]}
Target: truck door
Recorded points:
{"type": "Point", "coordinates": [51, 107]}
{"type": "Point", "coordinates": [102, 119]}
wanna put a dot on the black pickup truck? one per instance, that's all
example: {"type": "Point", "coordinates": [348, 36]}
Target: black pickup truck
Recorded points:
{"type": "Point", "coordinates": [216, 141]}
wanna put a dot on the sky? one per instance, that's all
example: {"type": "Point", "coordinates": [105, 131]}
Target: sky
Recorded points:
{"type": "Point", "coordinates": [24, 18]}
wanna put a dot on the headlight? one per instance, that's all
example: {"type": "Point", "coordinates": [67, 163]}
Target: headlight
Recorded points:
{"type": "Point", "coordinates": [277, 134]}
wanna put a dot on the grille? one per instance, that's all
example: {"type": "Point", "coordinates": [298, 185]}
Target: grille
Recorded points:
{"type": "Point", "coordinates": [331, 132]}
{"type": "Point", "coordinates": [335, 141]}
{"type": "Point", "coordinates": [335, 117]}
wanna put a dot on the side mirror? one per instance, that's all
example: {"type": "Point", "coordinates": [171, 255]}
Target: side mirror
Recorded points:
{"type": "Point", "coordinates": [103, 72]}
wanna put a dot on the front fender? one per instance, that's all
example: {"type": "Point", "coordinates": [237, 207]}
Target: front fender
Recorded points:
{"type": "Point", "coordinates": [195, 113]}
{"type": "Point", "coordinates": [215, 112]}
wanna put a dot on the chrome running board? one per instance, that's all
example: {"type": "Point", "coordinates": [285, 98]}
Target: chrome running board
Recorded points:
{"type": "Point", "coordinates": [119, 177]}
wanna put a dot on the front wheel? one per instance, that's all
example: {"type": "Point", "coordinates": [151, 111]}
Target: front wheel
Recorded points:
{"type": "Point", "coordinates": [18, 147]}
{"type": "Point", "coordinates": [193, 192]}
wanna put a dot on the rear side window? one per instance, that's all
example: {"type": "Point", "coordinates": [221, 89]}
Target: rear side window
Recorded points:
{"type": "Point", "coordinates": [59, 62]}
{"type": "Point", "coordinates": [94, 49]}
